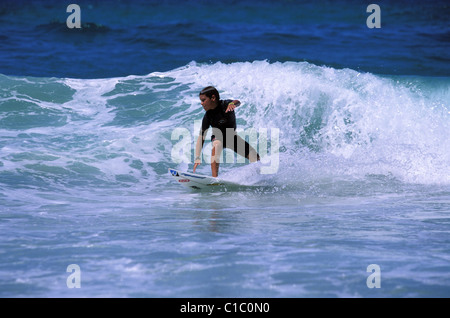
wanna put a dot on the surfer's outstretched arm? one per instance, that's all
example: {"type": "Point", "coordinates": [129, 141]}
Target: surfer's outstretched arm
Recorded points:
{"type": "Point", "coordinates": [198, 151]}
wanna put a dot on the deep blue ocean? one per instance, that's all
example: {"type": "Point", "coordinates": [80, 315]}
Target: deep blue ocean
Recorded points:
{"type": "Point", "coordinates": [353, 121]}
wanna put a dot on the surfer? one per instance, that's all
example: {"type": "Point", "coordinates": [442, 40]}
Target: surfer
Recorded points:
{"type": "Point", "coordinates": [221, 117]}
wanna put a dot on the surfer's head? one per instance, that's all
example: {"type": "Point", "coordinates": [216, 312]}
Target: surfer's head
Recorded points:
{"type": "Point", "coordinates": [209, 97]}
{"type": "Point", "coordinates": [210, 91]}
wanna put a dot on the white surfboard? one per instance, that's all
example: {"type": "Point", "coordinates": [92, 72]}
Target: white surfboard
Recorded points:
{"type": "Point", "coordinates": [198, 181]}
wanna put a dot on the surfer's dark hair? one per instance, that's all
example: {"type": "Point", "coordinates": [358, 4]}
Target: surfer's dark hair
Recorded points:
{"type": "Point", "coordinates": [209, 92]}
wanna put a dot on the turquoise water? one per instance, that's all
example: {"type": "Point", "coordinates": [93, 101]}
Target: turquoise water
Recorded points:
{"type": "Point", "coordinates": [362, 178]}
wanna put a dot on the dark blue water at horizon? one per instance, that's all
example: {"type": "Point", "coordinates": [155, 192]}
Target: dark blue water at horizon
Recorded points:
{"type": "Point", "coordinates": [120, 38]}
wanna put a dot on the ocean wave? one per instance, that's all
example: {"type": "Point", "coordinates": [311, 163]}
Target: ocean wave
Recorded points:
{"type": "Point", "coordinates": [332, 123]}
{"type": "Point", "coordinates": [341, 121]}
{"type": "Point", "coordinates": [61, 27]}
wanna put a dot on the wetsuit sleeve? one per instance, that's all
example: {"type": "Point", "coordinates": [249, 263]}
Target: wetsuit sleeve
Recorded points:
{"type": "Point", "coordinates": [230, 115]}
{"type": "Point", "coordinates": [205, 124]}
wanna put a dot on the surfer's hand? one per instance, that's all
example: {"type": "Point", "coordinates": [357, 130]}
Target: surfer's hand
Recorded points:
{"type": "Point", "coordinates": [231, 107]}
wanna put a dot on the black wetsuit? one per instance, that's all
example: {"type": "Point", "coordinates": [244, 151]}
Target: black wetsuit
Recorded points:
{"type": "Point", "coordinates": [218, 119]}
{"type": "Point", "coordinates": [224, 125]}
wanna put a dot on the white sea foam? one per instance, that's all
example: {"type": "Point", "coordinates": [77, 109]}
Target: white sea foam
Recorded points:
{"type": "Point", "coordinates": [337, 121]}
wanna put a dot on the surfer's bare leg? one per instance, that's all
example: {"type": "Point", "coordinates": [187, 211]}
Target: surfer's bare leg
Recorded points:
{"type": "Point", "coordinates": [215, 157]}
{"type": "Point", "coordinates": [253, 156]}
{"type": "Point", "coordinates": [244, 149]}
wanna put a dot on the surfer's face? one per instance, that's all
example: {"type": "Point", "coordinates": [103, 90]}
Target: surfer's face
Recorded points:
{"type": "Point", "coordinates": [208, 103]}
